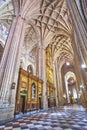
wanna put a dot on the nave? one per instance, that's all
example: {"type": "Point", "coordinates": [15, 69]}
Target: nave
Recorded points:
{"type": "Point", "coordinates": [61, 118]}
{"type": "Point", "coordinates": [43, 63]}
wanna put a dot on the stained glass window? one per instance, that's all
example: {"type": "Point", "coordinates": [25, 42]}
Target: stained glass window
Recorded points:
{"type": "Point", "coordinates": [2, 2]}
{"type": "Point", "coordinates": [3, 31]}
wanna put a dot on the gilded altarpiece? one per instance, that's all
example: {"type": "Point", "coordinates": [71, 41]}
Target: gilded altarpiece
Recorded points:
{"type": "Point", "coordinates": [50, 81]}
{"type": "Point", "coordinates": [29, 92]}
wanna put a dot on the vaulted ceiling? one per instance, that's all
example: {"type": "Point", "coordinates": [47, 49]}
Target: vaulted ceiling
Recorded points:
{"type": "Point", "coordinates": [47, 20]}
{"type": "Point", "coordinates": [6, 12]}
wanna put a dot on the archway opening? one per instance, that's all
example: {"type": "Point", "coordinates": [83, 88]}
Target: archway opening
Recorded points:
{"type": "Point", "coordinates": [71, 88]}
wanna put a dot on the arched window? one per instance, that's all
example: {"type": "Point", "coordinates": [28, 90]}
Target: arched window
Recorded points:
{"type": "Point", "coordinates": [30, 69]}
{"type": "Point", "coordinates": [3, 31]}
{"type": "Point", "coordinates": [33, 90]}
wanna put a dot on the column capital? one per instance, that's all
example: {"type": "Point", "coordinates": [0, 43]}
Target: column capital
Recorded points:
{"type": "Point", "coordinates": [41, 47]}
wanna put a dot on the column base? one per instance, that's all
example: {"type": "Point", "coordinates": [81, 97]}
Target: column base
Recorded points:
{"type": "Point", "coordinates": [6, 113]}
{"type": "Point", "coordinates": [45, 106]}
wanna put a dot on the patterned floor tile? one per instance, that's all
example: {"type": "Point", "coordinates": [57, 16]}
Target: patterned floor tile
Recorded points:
{"type": "Point", "coordinates": [62, 118]}
{"type": "Point", "coordinates": [2, 126]}
{"type": "Point", "coordinates": [76, 126]}
{"type": "Point", "coordinates": [58, 128]}
{"type": "Point", "coordinates": [68, 129]}
{"type": "Point", "coordinates": [85, 127]}
{"type": "Point", "coordinates": [16, 129]}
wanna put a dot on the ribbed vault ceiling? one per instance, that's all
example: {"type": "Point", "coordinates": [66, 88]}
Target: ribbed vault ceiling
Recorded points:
{"type": "Point", "coordinates": [50, 18]}
{"type": "Point", "coordinates": [6, 12]}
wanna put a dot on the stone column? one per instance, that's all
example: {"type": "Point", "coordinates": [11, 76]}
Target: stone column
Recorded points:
{"type": "Point", "coordinates": [60, 84]}
{"type": "Point", "coordinates": [10, 67]}
{"type": "Point", "coordinates": [80, 30]}
{"type": "Point", "coordinates": [43, 76]}
{"type": "Point", "coordinates": [55, 83]}
{"type": "Point", "coordinates": [79, 26]}
{"type": "Point", "coordinates": [40, 61]}
{"type": "Point", "coordinates": [6, 49]}
{"type": "Point", "coordinates": [59, 79]}
{"type": "Point", "coordinates": [67, 90]}
{"type": "Point", "coordinates": [17, 66]}
{"type": "Point", "coordinates": [37, 62]}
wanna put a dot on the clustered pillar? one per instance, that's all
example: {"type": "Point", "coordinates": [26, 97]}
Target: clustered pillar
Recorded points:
{"type": "Point", "coordinates": [42, 74]}
{"type": "Point", "coordinates": [80, 37]}
{"type": "Point", "coordinates": [9, 62]}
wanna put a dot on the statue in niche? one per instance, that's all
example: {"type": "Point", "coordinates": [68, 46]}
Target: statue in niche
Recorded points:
{"type": "Point", "coordinates": [33, 90]}
{"type": "Point", "coordinates": [30, 69]}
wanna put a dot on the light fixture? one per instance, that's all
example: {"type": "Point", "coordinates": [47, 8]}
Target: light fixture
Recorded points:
{"type": "Point", "coordinates": [81, 86]}
{"type": "Point", "coordinates": [83, 66]}
{"type": "Point", "coordinates": [69, 92]}
{"type": "Point", "coordinates": [67, 63]}
{"type": "Point", "coordinates": [64, 95]}
{"type": "Point", "coordinates": [13, 85]}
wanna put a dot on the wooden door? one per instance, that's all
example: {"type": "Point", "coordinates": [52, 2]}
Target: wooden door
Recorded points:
{"type": "Point", "coordinates": [22, 102]}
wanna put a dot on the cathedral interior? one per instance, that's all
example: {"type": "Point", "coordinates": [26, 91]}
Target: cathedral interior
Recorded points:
{"type": "Point", "coordinates": [43, 64]}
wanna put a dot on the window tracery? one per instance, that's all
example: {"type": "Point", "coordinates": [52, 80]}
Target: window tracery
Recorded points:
{"type": "Point", "coordinates": [3, 30]}
{"type": "Point", "coordinates": [2, 2]}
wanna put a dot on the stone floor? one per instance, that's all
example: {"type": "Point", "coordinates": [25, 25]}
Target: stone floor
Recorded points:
{"type": "Point", "coordinates": [62, 118]}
